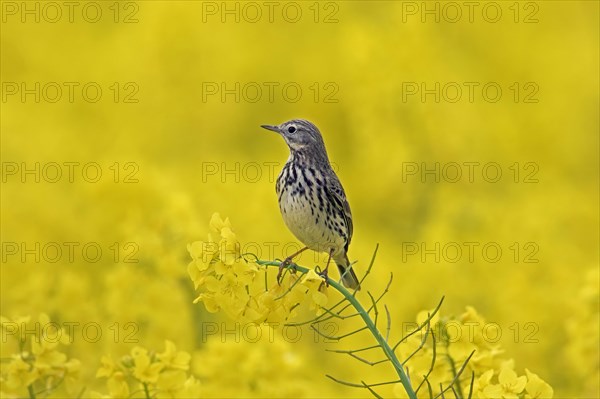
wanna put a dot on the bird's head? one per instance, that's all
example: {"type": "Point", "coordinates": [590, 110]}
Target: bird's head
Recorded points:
{"type": "Point", "coordinates": [299, 134]}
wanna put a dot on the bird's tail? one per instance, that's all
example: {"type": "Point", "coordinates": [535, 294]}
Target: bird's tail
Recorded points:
{"type": "Point", "coordinates": [349, 278]}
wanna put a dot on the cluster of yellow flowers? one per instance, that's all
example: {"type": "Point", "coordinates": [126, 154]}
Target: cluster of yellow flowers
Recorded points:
{"type": "Point", "coordinates": [237, 285]}
{"type": "Point", "coordinates": [37, 367]}
{"type": "Point", "coordinates": [453, 341]}
{"type": "Point", "coordinates": [147, 374]}
{"type": "Point", "coordinates": [269, 365]}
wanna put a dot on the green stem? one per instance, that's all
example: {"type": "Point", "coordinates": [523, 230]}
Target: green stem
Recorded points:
{"type": "Point", "coordinates": [146, 391]}
{"type": "Point", "coordinates": [457, 383]}
{"type": "Point", "coordinates": [387, 350]}
{"type": "Point", "coordinates": [31, 391]}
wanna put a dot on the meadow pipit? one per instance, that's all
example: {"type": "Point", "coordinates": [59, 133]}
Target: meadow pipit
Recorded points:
{"type": "Point", "coordinates": [311, 198]}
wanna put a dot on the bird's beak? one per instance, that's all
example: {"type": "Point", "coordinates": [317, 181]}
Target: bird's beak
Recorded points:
{"type": "Point", "coordinates": [270, 127]}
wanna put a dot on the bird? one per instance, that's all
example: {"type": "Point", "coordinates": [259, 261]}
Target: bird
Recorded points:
{"type": "Point", "coordinates": [312, 201]}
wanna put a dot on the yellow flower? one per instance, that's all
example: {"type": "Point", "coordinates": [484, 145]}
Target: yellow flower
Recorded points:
{"type": "Point", "coordinates": [203, 256]}
{"type": "Point", "coordinates": [317, 290]}
{"type": "Point", "coordinates": [230, 283]}
{"type": "Point", "coordinates": [232, 298]}
{"type": "Point", "coordinates": [107, 368]}
{"type": "Point", "coordinates": [196, 249]}
{"type": "Point", "coordinates": [229, 246]}
{"type": "Point", "coordinates": [171, 358]}
{"type": "Point", "coordinates": [46, 355]}
{"type": "Point", "coordinates": [176, 384]}
{"type": "Point", "coordinates": [471, 315]}
{"type": "Point", "coordinates": [271, 309]}
{"type": "Point", "coordinates": [145, 370]}
{"type": "Point", "coordinates": [481, 383]}
{"type": "Point", "coordinates": [537, 388]}
{"type": "Point", "coordinates": [270, 366]}
{"type": "Point", "coordinates": [461, 341]}
{"type": "Point", "coordinates": [245, 272]}
{"type": "Point", "coordinates": [19, 374]}
{"type": "Point", "coordinates": [509, 385]}
{"type": "Point", "coordinates": [217, 224]}
{"type": "Point", "coordinates": [163, 375]}
{"type": "Point", "coordinates": [190, 389]}
{"type": "Point", "coordinates": [195, 274]}
{"type": "Point", "coordinates": [117, 386]}
{"type": "Point", "coordinates": [253, 313]}
{"type": "Point", "coordinates": [420, 362]}
{"type": "Point", "coordinates": [44, 365]}
{"type": "Point", "coordinates": [170, 382]}
{"type": "Point", "coordinates": [279, 302]}
{"type": "Point", "coordinates": [225, 280]}
{"type": "Point", "coordinates": [466, 335]}
{"type": "Point", "coordinates": [210, 303]}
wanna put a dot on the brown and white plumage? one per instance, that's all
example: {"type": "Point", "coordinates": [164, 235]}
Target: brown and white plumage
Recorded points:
{"type": "Point", "coordinates": [311, 198]}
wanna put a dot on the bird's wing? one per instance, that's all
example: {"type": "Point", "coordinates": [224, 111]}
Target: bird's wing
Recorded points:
{"type": "Point", "coordinates": [338, 197]}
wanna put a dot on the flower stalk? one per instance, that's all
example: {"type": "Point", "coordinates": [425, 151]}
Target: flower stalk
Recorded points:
{"type": "Point", "coordinates": [381, 341]}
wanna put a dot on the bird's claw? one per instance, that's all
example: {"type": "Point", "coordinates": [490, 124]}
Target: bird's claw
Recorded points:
{"type": "Point", "coordinates": [283, 265]}
{"type": "Point", "coordinates": [325, 276]}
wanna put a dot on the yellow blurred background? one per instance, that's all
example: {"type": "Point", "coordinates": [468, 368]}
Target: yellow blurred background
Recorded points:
{"type": "Point", "coordinates": [125, 125]}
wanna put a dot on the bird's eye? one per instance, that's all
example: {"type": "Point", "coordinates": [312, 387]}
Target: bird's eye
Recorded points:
{"type": "Point", "coordinates": [291, 129]}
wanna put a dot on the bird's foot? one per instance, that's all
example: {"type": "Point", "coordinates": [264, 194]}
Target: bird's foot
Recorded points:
{"type": "Point", "coordinates": [325, 276]}
{"type": "Point", "coordinates": [287, 262]}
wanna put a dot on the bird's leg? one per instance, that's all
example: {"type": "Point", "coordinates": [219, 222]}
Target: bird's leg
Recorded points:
{"type": "Point", "coordinates": [324, 272]}
{"type": "Point", "coordinates": [288, 261]}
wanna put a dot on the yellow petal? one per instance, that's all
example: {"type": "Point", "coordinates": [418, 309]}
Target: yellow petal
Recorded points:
{"type": "Point", "coordinates": [507, 376]}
